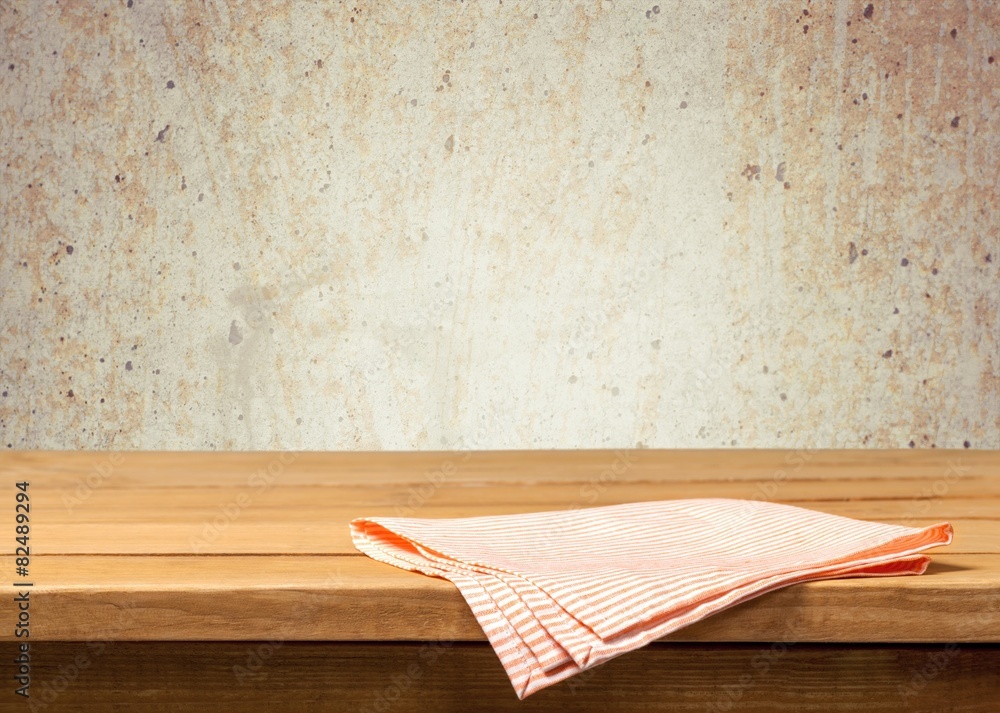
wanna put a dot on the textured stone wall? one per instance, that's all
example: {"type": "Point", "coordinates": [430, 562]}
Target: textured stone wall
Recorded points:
{"type": "Point", "coordinates": [353, 225]}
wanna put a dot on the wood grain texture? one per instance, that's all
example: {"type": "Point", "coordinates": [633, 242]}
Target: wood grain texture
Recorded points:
{"type": "Point", "coordinates": [243, 546]}
{"type": "Point", "coordinates": [775, 677]}
{"type": "Point", "coordinates": [257, 531]}
{"type": "Point", "coordinates": [351, 598]}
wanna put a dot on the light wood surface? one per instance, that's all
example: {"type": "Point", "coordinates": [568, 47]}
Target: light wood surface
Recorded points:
{"type": "Point", "coordinates": [245, 546]}
{"type": "Point", "coordinates": [349, 598]}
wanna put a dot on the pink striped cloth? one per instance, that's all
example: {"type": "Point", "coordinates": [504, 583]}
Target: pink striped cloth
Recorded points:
{"type": "Point", "coordinates": [561, 592]}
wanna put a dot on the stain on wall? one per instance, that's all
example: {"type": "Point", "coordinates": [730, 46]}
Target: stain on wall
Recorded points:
{"type": "Point", "coordinates": [399, 225]}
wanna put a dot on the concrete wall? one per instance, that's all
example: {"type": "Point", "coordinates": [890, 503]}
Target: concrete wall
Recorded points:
{"type": "Point", "coordinates": [354, 225]}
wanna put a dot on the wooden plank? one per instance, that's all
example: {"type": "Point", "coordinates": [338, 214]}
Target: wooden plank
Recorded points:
{"type": "Point", "coordinates": [276, 516]}
{"type": "Point", "coordinates": [356, 599]}
{"type": "Point", "coordinates": [166, 503]}
{"type": "Point", "coordinates": [254, 534]}
{"type": "Point", "coordinates": [780, 677]}
{"type": "Point", "coordinates": [68, 469]}
{"type": "Point", "coordinates": [217, 546]}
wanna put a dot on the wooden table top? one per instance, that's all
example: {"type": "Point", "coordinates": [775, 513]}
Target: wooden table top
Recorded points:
{"type": "Point", "coordinates": [251, 546]}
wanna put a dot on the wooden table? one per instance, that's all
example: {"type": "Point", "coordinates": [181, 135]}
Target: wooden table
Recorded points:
{"type": "Point", "coordinates": [182, 581]}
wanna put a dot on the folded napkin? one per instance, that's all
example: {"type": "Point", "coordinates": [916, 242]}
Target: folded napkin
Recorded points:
{"type": "Point", "coordinates": [561, 592]}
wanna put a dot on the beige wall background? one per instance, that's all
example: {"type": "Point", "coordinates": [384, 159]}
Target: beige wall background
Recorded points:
{"type": "Point", "coordinates": [416, 225]}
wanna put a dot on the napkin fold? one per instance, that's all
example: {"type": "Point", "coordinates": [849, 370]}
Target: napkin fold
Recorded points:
{"type": "Point", "coordinates": [561, 592]}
